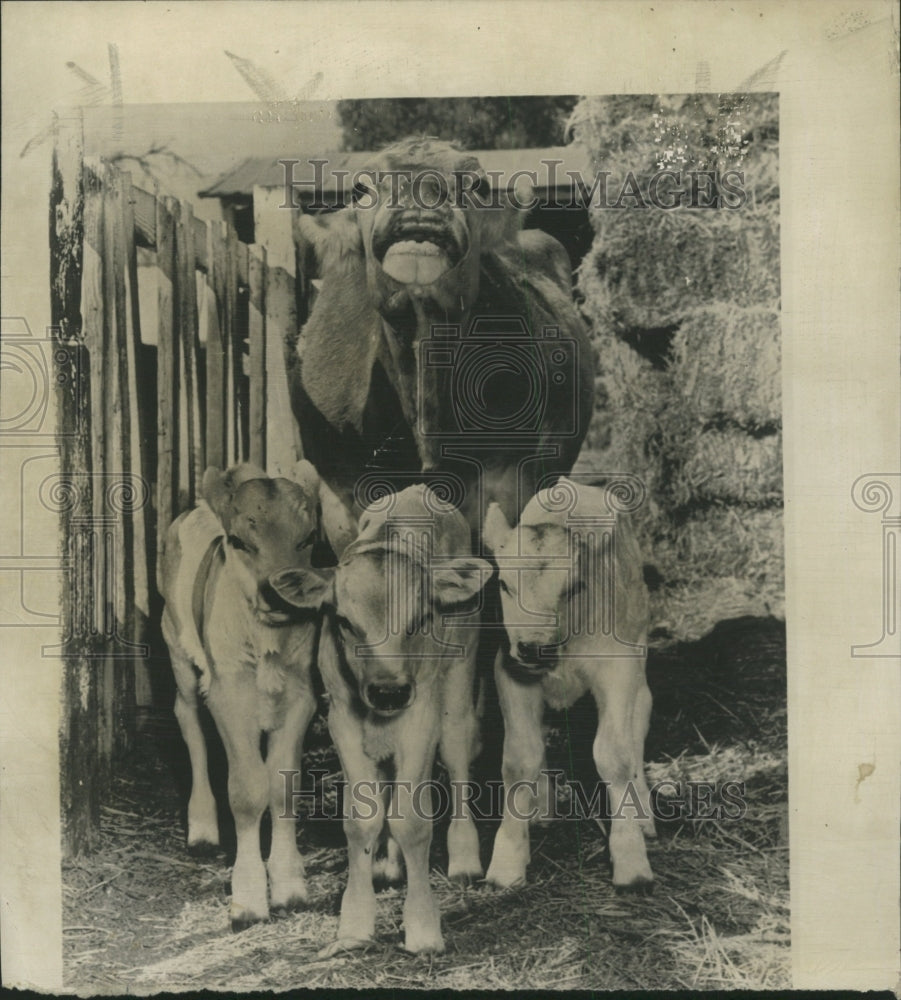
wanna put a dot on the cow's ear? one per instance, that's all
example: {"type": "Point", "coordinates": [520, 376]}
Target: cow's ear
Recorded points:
{"type": "Point", "coordinates": [496, 529]}
{"type": "Point", "coordinates": [459, 581]}
{"type": "Point", "coordinates": [304, 589]}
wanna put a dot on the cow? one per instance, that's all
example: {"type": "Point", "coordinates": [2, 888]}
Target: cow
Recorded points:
{"type": "Point", "coordinates": [251, 660]}
{"type": "Point", "coordinates": [443, 339]}
{"type": "Point", "coordinates": [559, 599]}
{"type": "Point", "coordinates": [397, 658]}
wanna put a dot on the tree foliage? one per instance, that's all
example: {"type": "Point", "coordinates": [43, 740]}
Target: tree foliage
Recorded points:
{"type": "Point", "coordinates": [473, 122]}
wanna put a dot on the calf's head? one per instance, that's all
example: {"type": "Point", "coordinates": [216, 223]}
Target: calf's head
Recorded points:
{"type": "Point", "coordinates": [542, 579]}
{"type": "Point", "coordinates": [269, 524]}
{"type": "Point", "coordinates": [386, 601]}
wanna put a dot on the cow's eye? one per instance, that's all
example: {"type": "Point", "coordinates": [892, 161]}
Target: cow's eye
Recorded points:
{"type": "Point", "coordinates": [306, 543]}
{"type": "Point", "coordinates": [344, 625]}
{"type": "Point", "coordinates": [236, 543]}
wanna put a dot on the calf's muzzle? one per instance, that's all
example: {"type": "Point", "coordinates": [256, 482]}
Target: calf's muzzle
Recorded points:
{"type": "Point", "coordinates": [388, 697]}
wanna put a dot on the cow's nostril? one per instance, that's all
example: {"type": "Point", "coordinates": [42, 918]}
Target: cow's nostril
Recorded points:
{"type": "Point", "coordinates": [389, 697]}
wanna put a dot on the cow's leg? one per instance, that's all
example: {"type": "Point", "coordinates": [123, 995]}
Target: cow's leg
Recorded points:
{"type": "Point", "coordinates": [287, 884]}
{"type": "Point", "coordinates": [641, 721]}
{"type": "Point", "coordinates": [411, 826]}
{"type": "Point", "coordinates": [233, 704]}
{"type": "Point", "coordinates": [364, 817]}
{"type": "Point", "coordinates": [615, 687]}
{"type": "Point", "coordinates": [522, 707]}
{"type": "Point", "coordinates": [388, 867]}
{"type": "Point", "coordinates": [459, 737]}
{"type": "Point", "coordinates": [203, 824]}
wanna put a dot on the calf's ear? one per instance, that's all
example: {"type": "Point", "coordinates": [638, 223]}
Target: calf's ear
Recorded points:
{"type": "Point", "coordinates": [459, 581]}
{"type": "Point", "coordinates": [496, 528]}
{"type": "Point", "coordinates": [338, 523]}
{"type": "Point", "coordinates": [304, 589]}
{"type": "Point", "coordinates": [218, 488]}
{"type": "Point", "coordinates": [305, 475]}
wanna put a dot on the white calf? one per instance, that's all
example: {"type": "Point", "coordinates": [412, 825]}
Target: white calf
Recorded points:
{"type": "Point", "coordinates": [400, 679]}
{"type": "Point", "coordinates": [576, 622]}
{"type": "Point", "coordinates": [251, 659]}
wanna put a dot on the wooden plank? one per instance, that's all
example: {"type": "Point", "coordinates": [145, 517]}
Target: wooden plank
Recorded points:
{"type": "Point", "coordinates": [144, 205]}
{"type": "Point", "coordinates": [186, 335]}
{"type": "Point", "coordinates": [97, 308]}
{"type": "Point", "coordinates": [141, 517]}
{"type": "Point", "coordinates": [216, 437]}
{"type": "Point", "coordinates": [232, 344]}
{"type": "Point", "coordinates": [257, 341]}
{"type": "Point", "coordinates": [118, 482]}
{"type": "Point", "coordinates": [282, 436]}
{"type": "Point", "coordinates": [167, 376]}
{"type": "Point", "coordinates": [240, 336]}
{"type": "Point", "coordinates": [276, 228]}
{"type": "Point", "coordinates": [80, 785]}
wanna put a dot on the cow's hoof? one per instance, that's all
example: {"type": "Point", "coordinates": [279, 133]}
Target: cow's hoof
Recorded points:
{"type": "Point", "coordinates": [342, 946]}
{"type": "Point", "coordinates": [241, 921]}
{"type": "Point", "coordinates": [203, 849]}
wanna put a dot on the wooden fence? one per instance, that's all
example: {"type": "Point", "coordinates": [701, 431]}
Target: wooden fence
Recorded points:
{"type": "Point", "coordinates": [141, 415]}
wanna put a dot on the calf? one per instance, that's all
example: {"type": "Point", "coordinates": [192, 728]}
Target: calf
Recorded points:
{"type": "Point", "coordinates": [251, 661]}
{"type": "Point", "coordinates": [576, 620]}
{"type": "Point", "coordinates": [400, 677]}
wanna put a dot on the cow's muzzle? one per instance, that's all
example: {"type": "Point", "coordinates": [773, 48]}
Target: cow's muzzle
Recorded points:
{"type": "Point", "coordinates": [417, 246]}
{"type": "Point", "coordinates": [388, 698]}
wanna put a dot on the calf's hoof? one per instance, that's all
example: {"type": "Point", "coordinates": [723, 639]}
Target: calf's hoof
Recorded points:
{"type": "Point", "coordinates": [345, 945]}
{"type": "Point", "coordinates": [505, 876]}
{"type": "Point", "coordinates": [420, 942]}
{"type": "Point", "coordinates": [203, 849]}
{"type": "Point", "coordinates": [241, 919]}
{"type": "Point", "coordinates": [639, 886]}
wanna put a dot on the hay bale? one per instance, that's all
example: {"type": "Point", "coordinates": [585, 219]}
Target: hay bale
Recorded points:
{"type": "Point", "coordinates": [729, 465]}
{"type": "Point", "coordinates": [726, 362]}
{"type": "Point", "coordinates": [721, 541]}
{"type": "Point", "coordinates": [687, 612]}
{"type": "Point", "coordinates": [659, 266]}
{"type": "Point", "coordinates": [719, 132]}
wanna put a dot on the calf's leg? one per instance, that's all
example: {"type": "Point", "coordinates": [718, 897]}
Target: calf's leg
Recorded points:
{"type": "Point", "coordinates": [203, 824]}
{"type": "Point", "coordinates": [615, 687]}
{"type": "Point", "coordinates": [411, 826]}
{"type": "Point", "coordinates": [287, 882]}
{"type": "Point", "coordinates": [459, 735]}
{"type": "Point", "coordinates": [233, 704]}
{"type": "Point", "coordinates": [522, 707]}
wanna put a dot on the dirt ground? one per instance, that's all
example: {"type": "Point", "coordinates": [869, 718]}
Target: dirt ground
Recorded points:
{"type": "Point", "coordinates": [141, 915]}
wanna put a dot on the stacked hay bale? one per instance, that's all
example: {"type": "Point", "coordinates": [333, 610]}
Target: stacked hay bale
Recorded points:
{"type": "Point", "coordinates": [684, 307]}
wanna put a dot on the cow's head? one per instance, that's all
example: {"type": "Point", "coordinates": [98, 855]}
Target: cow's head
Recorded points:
{"type": "Point", "coordinates": [418, 209]}
{"type": "Point", "coordinates": [386, 599]}
{"type": "Point", "coordinates": [269, 524]}
{"type": "Point", "coordinates": [540, 574]}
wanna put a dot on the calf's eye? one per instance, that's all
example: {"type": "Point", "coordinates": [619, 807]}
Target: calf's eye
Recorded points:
{"type": "Point", "coordinates": [236, 543]}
